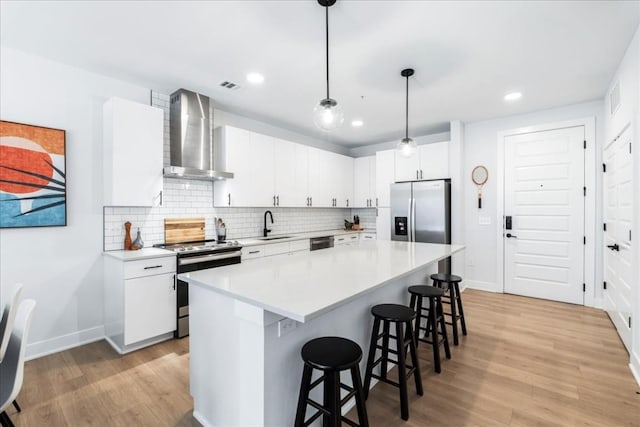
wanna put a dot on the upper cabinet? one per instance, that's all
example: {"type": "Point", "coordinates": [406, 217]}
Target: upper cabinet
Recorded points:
{"type": "Point", "coordinates": [133, 139]}
{"type": "Point", "coordinates": [430, 162]}
{"type": "Point", "coordinates": [385, 176]}
{"type": "Point", "coordinates": [273, 172]}
{"type": "Point", "coordinates": [364, 182]}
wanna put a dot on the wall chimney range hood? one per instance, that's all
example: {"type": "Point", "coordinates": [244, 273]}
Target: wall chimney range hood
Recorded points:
{"type": "Point", "coordinates": [192, 150]}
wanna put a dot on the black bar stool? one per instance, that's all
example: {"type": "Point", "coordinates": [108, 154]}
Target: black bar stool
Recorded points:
{"type": "Point", "coordinates": [401, 316]}
{"type": "Point", "coordinates": [435, 319]}
{"type": "Point", "coordinates": [331, 355]}
{"type": "Point", "coordinates": [450, 282]}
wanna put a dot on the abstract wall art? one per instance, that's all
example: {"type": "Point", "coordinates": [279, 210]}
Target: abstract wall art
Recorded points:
{"type": "Point", "coordinates": [33, 189]}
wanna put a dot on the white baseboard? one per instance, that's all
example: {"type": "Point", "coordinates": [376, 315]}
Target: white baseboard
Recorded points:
{"type": "Point", "coordinates": [481, 286]}
{"type": "Point", "coordinates": [635, 366]}
{"type": "Point", "coordinates": [64, 342]}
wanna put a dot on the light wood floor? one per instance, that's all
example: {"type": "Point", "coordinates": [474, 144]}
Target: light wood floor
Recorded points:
{"type": "Point", "coordinates": [525, 362]}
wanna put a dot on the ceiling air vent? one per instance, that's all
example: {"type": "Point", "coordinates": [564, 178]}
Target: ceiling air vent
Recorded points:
{"type": "Point", "coordinates": [614, 98]}
{"type": "Point", "coordinates": [229, 85]}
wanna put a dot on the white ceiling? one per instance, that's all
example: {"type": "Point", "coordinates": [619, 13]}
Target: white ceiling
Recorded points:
{"type": "Point", "coordinates": [467, 55]}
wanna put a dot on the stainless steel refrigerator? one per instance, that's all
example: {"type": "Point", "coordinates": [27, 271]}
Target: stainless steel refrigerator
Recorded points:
{"type": "Point", "coordinates": [421, 212]}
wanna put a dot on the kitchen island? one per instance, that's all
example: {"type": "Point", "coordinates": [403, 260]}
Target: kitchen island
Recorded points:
{"type": "Point", "coordinates": [249, 321]}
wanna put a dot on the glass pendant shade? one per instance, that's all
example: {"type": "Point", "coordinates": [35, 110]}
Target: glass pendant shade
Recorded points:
{"type": "Point", "coordinates": [407, 147]}
{"type": "Point", "coordinates": [328, 115]}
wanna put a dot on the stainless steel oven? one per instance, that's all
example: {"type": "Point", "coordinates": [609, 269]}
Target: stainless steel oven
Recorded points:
{"type": "Point", "coordinates": [193, 256]}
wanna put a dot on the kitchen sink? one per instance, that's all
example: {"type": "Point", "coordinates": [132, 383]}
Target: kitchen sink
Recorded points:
{"type": "Point", "coordinates": [273, 238]}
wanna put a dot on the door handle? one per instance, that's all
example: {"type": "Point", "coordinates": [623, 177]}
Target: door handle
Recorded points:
{"type": "Point", "coordinates": [511, 236]}
{"type": "Point", "coordinates": [614, 247]}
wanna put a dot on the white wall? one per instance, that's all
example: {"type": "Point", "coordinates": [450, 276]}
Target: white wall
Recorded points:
{"type": "Point", "coordinates": [480, 148]}
{"type": "Point", "coordinates": [61, 267]}
{"type": "Point", "coordinates": [628, 77]}
{"type": "Point", "coordinates": [370, 150]}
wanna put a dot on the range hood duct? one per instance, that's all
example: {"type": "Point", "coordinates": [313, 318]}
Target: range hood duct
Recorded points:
{"type": "Point", "coordinates": [192, 150]}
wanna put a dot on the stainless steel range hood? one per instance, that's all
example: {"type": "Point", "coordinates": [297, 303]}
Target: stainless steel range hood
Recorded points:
{"type": "Point", "coordinates": [191, 138]}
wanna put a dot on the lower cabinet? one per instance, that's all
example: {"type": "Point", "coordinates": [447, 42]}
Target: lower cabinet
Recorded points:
{"type": "Point", "coordinates": [345, 239]}
{"type": "Point", "coordinates": [366, 235]}
{"type": "Point", "coordinates": [270, 249]}
{"type": "Point", "coordinates": [139, 301]}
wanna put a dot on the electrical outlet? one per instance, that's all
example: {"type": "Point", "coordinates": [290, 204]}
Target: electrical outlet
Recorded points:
{"type": "Point", "coordinates": [285, 326]}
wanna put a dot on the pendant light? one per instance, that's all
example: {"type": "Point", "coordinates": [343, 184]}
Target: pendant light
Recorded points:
{"type": "Point", "coordinates": [327, 115]}
{"type": "Point", "coordinates": [407, 146]}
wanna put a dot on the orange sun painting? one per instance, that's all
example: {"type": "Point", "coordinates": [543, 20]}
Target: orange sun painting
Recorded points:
{"type": "Point", "coordinates": [32, 176]}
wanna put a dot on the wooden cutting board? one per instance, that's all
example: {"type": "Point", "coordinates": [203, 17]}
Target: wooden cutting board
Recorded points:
{"type": "Point", "coordinates": [183, 229]}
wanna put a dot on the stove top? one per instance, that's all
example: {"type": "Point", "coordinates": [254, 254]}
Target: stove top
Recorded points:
{"type": "Point", "coordinates": [199, 246]}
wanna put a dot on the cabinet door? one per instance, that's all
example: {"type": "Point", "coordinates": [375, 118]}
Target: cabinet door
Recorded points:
{"type": "Point", "coordinates": [301, 175]}
{"type": "Point", "coordinates": [385, 176]}
{"type": "Point", "coordinates": [361, 182]}
{"type": "Point", "coordinates": [291, 174]}
{"type": "Point", "coordinates": [321, 178]}
{"type": "Point", "coordinates": [343, 184]}
{"type": "Point", "coordinates": [372, 180]}
{"type": "Point", "coordinates": [407, 169]}
{"type": "Point", "coordinates": [434, 160]}
{"type": "Point", "coordinates": [133, 151]}
{"type": "Point", "coordinates": [149, 307]}
{"type": "Point", "coordinates": [250, 157]}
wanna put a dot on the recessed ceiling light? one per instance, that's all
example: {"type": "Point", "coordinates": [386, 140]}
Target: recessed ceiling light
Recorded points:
{"type": "Point", "coordinates": [255, 78]}
{"type": "Point", "coordinates": [512, 96]}
{"type": "Point", "coordinates": [357, 123]}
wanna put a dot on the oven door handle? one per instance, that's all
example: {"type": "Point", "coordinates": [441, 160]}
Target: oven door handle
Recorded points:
{"type": "Point", "coordinates": [212, 257]}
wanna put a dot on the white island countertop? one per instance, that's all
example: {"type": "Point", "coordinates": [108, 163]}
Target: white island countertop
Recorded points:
{"type": "Point", "coordinates": [304, 285]}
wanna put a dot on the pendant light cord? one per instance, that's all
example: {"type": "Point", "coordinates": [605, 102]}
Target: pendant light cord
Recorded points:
{"type": "Point", "coordinates": [326, 11]}
{"type": "Point", "coordinates": [406, 116]}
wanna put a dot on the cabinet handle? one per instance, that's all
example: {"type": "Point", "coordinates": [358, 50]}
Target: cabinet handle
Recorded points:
{"type": "Point", "coordinates": [229, 195]}
{"type": "Point", "coordinates": [307, 201]}
{"type": "Point", "coordinates": [421, 177]}
{"type": "Point", "coordinates": [274, 200]}
{"type": "Point", "coordinates": [277, 200]}
{"type": "Point", "coordinates": [174, 282]}
{"type": "Point", "coordinates": [253, 252]}
{"type": "Point", "coordinates": [160, 197]}
{"type": "Point", "coordinates": [347, 202]}
{"type": "Point", "coordinates": [152, 266]}
{"type": "Point", "coordinates": [417, 174]}
{"type": "Point", "coordinates": [310, 201]}
{"type": "Point", "coordinates": [376, 202]}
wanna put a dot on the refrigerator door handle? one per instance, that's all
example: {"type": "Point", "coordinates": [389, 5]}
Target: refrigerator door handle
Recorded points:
{"type": "Point", "coordinates": [413, 218]}
{"type": "Point", "coordinates": [410, 220]}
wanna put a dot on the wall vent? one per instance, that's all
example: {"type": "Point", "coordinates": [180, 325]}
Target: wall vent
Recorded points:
{"type": "Point", "coordinates": [614, 98]}
{"type": "Point", "coordinates": [230, 85]}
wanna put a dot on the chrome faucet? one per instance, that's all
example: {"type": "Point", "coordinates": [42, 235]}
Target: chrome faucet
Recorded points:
{"type": "Point", "coordinates": [266, 230]}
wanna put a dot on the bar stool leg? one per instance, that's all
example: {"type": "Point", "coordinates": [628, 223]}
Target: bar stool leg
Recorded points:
{"type": "Point", "coordinates": [357, 385]}
{"type": "Point", "coordinates": [460, 310]}
{"type": "Point", "coordinates": [454, 315]}
{"type": "Point", "coordinates": [443, 329]}
{"type": "Point", "coordinates": [332, 399]}
{"type": "Point", "coordinates": [385, 349]}
{"type": "Point", "coordinates": [372, 355]}
{"type": "Point", "coordinates": [415, 362]}
{"type": "Point", "coordinates": [402, 372]}
{"type": "Point", "coordinates": [434, 334]}
{"type": "Point", "coordinates": [304, 395]}
{"type": "Point", "coordinates": [415, 308]}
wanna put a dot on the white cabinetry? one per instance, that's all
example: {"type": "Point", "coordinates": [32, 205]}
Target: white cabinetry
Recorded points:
{"type": "Point", "coordinates": [140, 301]}
{"type": "Point", "coordinates": [250, 157]}
{"type": "Point", "coordinates": [270, 249]}
{"type": "Point", "coordinates": [132, 153]}
{"type": "Point", "coordinates": [430, 162]}
{"type": "Point", "coordinates": [385, 176]}
{"type": "Point", "coordinates": [367, 235]}
{"type": "Point", "coordinates": [345, 239]}
{"type": "Point", "coordinates": [330, 179]}
{"type": "Point", "coordinates": [291, 162]}
{"type": "Point", "coordinates": [383, 224]}
{"type": "Point", "coordinates": [364, 182]}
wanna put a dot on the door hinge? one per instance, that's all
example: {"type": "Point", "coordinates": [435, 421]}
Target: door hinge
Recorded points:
{"type": "Point", "coordinates": [604, 285]}
{"type": "Point", "coordinates": [585, 144]}
{"type": "Point", "coordinates": [604, 226]}
{"type": "Point", "coordinates": [604, 167]}
{"type": "Point", "coordinates": [584, 191]}
{"type": "Point", "coordinates": [584, 287]}
{"type": "Point", "coordinates": [584, 240]}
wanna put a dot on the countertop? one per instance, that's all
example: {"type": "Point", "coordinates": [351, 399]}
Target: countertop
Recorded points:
{"type": "Point", "coordinates": [139, 254]}
{"type": "Point", "coordinates": [299, 236]}
{"type": "Point", "coordinates": [304, 285]}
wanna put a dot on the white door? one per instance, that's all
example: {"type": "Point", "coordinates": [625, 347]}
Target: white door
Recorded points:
{"type": "Point", "coordinates": [618, 217]}
{"type": "Point", "coordinates": [544, 196]}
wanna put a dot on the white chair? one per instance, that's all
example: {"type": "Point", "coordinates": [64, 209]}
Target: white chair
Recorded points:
{"type": "Point", "coordinates": [8, 315]}
{"type": "Point", "coordinates": [12, 366]}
